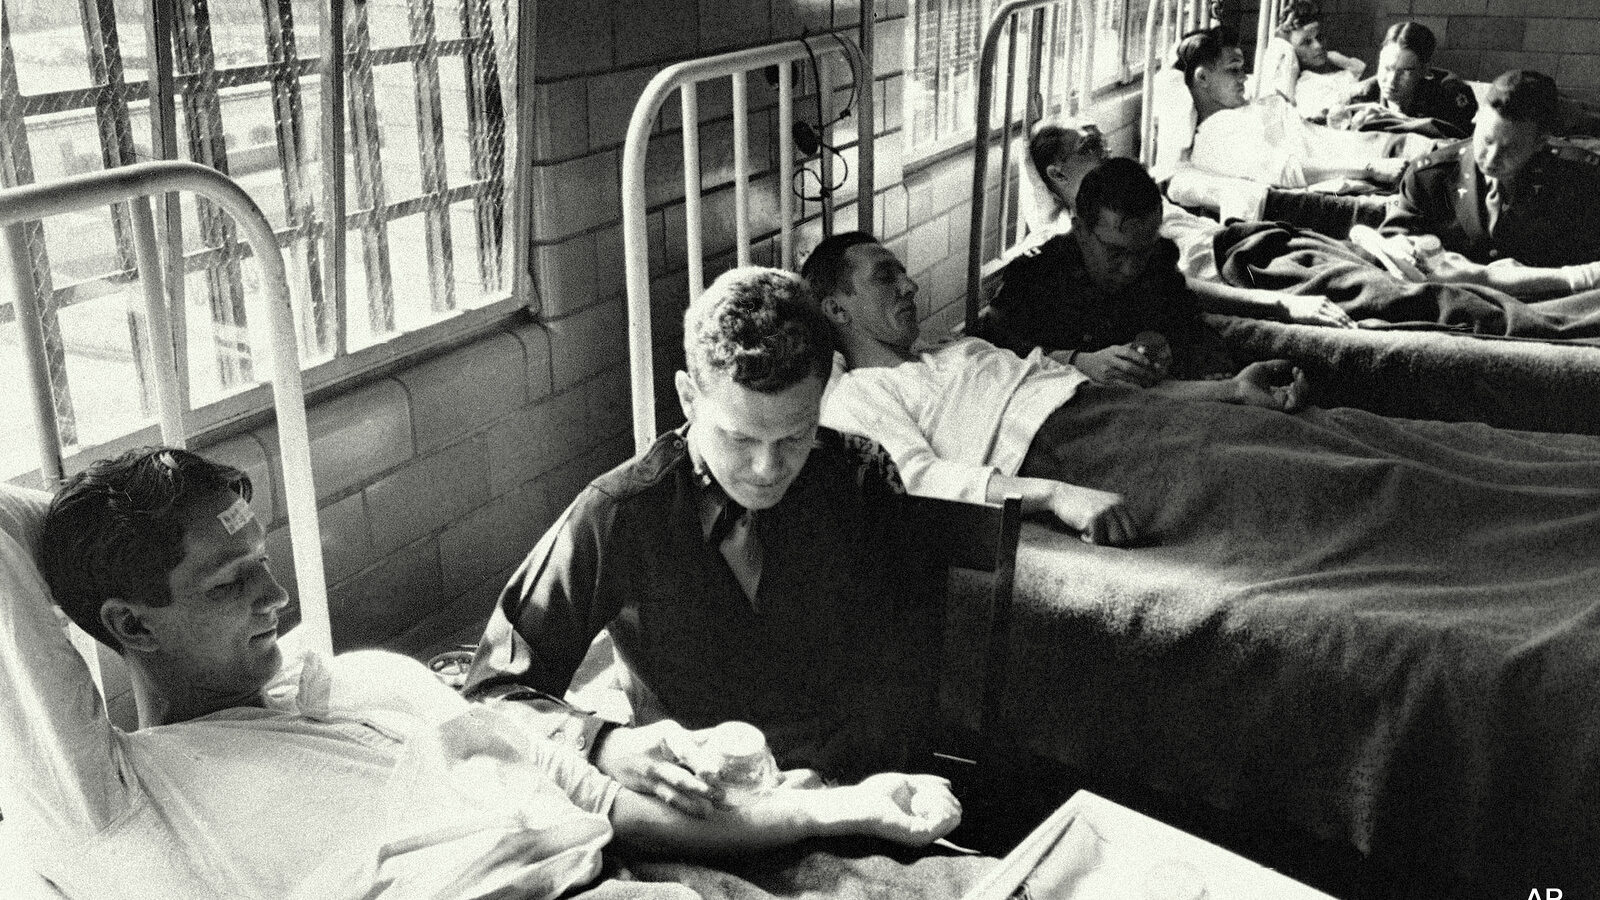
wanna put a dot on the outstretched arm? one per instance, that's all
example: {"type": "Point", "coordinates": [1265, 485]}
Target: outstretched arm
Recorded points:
{"type": "Point", "coordinates": [908, 809]}
{"type": "Point", "coordinates": [1273, 384]}
{"type": "Point", "coordinates": [1258, 303]}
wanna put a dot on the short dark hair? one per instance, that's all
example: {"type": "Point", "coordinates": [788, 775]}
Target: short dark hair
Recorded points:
{"type": "Point", "coordinates": [1413, 36]}
{"type": "Point", "coordinates": [761, 327]}
{"type": "Point", "coordinates": [1120, 185]}
{"type": "Point", "coordinates": [1204, 47]}
{"type": "Point", "coordinates": [1524, 95]}
{"type": "Point", "coordinates": [115, 530]}
{"type": "Point", "coordinates": [827, 269]}
{"type": "Point", "coordinates": [1054, 141]}
{"type": "Point", "coordinates": [1298, 15]}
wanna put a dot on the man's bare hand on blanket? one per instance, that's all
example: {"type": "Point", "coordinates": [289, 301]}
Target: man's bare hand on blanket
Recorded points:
{"type": "Point", "coordinates": [1100, 517]}
{"type": "Point", "coordinates": [1272, 384]}
{"type": "Point", "coordinates": [1314, 310]}
{"type": "Point", "coordinates": [648, 760]}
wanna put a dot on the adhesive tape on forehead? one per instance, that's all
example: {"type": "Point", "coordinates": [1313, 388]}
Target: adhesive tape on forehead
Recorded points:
{"type": "Point", "coordinates": [236, 516]}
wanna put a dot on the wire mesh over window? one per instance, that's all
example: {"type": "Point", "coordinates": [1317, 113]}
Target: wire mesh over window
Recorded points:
{"type": "Point", "coordinates": [944, 46]}
{"type": "Point", "coordinates": [419, 194]}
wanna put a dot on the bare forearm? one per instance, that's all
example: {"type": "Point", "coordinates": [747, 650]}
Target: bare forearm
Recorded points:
{"type": "Point", "coordinates": [1213, 391]}
{"type": "Point", "coordinates": [1036, 493]}
{"type": "Point", "coordinates": [782, 817]}
{"type": "Point", "coordinates": [1230, 300]}
{"type": "Point", "coordinates": [1527, 281]}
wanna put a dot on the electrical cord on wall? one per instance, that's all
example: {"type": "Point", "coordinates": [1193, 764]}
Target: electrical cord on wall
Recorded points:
{"type": "Point", "coordinates": [809, 139]}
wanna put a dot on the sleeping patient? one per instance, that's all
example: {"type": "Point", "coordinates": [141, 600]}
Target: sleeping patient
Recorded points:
{"type": "Point", "coordinates": [257, 775]}
{"type": "Point", "coordinates": [1185, 460]}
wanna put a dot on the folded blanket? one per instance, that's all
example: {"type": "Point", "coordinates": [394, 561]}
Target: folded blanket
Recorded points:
{"type": "Point", "coordinates": [1281, 257]}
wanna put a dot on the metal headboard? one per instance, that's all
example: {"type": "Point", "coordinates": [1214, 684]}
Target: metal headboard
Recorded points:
{"type": "Point", "coordinates": [1004, 19]}
{"type": "Point", "coordinates": [686, 77]}
{"type": "Point", "coordinates": [270, 312]}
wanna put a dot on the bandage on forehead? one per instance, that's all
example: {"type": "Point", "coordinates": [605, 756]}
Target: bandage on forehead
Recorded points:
{"type": "Point", "coordinates": [236, 516]}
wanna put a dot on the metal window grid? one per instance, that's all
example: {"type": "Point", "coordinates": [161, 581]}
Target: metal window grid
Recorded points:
{"type": "Point", "coordinates": [187, 93]}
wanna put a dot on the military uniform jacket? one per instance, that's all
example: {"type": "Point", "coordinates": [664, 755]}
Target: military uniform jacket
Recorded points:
{"type": "Point", "coordinates": [1553, 218]}
{"type": "Point", "coordinates": [1441, 95]}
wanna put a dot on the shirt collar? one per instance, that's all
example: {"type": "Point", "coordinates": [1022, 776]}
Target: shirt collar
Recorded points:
{"type": "Point", "coordinates": [710, 498]}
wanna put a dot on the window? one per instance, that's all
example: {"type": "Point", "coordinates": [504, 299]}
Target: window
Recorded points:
{"type": "Point", "coordinates": [944, 45]}
{"type": "Point", "coordinates": [420, 194]}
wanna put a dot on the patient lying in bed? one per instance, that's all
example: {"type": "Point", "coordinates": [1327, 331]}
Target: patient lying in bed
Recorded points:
{"type": "Point", "coordinates": [255, 777]}
{"type": "Point", "coordinates": [970, 421]}
{"type": "Point", "coordinates": [1209, 123]}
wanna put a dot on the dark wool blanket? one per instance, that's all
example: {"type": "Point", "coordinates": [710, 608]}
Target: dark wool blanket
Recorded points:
{"type": "Point", "coordinates": [1381, 630]}
{"type": "Point", "coordinates": [1281, 257]}
{"type": "Point", "coordinates": [1525, 384]}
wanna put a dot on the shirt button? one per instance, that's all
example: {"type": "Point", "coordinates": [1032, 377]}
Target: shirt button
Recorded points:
{"type": "Point", "coordinates": [1493, 252]}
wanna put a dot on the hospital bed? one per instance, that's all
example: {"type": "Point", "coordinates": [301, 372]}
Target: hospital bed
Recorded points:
{"type": "Point", "coordinates": [1445, 735]}
{"type": "Point", "coordinates": [21, 512]}
{"type": "Point", "coordinates": [1410, 372]}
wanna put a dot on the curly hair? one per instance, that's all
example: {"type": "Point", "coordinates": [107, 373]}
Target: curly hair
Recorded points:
{"type": "Point", "coordinates": [761, 327]}
{"type": "Point", "coordinates": [115, 530]}
{"type": "Point", "coordinates": [1297, 15]}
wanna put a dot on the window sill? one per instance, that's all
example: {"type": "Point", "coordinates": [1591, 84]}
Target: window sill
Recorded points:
{"type": "Point", "coordinates": [252, 407]}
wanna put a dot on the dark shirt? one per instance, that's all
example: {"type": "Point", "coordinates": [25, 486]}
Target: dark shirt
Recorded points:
{"type": "Point", "coordinates": [831, 660]}
{"type": "Point", "coordinates": [1047, 300]}
{"type": "Point", "coordinates": [1440, 96]}
{"type": "Point", "coordinates": [1553, 217]}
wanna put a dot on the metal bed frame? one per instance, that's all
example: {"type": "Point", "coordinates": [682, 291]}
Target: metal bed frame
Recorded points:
{"type": "Point", "coordinates": [686, 77]}
{"type": "Point", "coordinates": [272, 313]}
{"type": "Point", "coordinates": [1165, 22]}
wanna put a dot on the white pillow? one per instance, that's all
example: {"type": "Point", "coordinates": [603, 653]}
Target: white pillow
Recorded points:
{"type": "Point", "coordinates": [22, 515]}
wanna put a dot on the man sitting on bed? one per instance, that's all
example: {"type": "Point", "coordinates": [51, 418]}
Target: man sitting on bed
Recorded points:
{"type": "Point", "coordinates": [1092, 297]}
{"type": "Point", "coordinates": [959, 419]}
{"type": "Point", "coordinates": [343, 777]}
{"type": "Point", "coordinates": [1061, 153]}
{"type": "Point", "coordinates": [1513, 211]}
{"type": "Point", "coordinates": [747, 566]}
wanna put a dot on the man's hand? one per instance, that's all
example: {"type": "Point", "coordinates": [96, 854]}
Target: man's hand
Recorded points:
{"type": "Point", "coordinates": [1119, 364]}
{"type": "Point", "coordinates": [1314, 310]}
{"type": "Point", "coordinates": [914, 810]}
{"type": "Point", "coordinates": [1385, 171]}
{"type": "Point", "coordinates": [1450, 266]}
{"type": "Point", "coordinates": [1100, 517]}
{"type": "Point", "coordinates": [648, 760]}
{"type": "Point", "coordinates": [1273, 384]}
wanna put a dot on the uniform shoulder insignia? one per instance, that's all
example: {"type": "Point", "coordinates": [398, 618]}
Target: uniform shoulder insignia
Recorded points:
{"type": "Point", "coordinates": [870, 463]}
{"type": "Point", "coordinates": [1449, 153]}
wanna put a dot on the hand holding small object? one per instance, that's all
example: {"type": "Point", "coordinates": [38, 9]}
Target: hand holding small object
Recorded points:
{"type": "Point", "coordinates": [648, 760]}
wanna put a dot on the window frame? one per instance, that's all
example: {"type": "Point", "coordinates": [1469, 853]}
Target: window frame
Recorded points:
{"type": "Point", "coordinates": [1129, 69]}
{"type": "Point", "coordinates": [328, 364]}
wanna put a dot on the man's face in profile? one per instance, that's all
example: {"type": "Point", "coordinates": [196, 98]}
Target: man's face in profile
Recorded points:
{"type": "Point", "coordinates": [1223, 82]}
{"type": "Point", "coordinates": [1117, 249]}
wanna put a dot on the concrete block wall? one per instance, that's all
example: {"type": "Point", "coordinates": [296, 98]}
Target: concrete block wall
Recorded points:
{"type": "Point", "coordinates": [1482, 38]}
{"type": "Point", "coordinates": [436, 480]}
